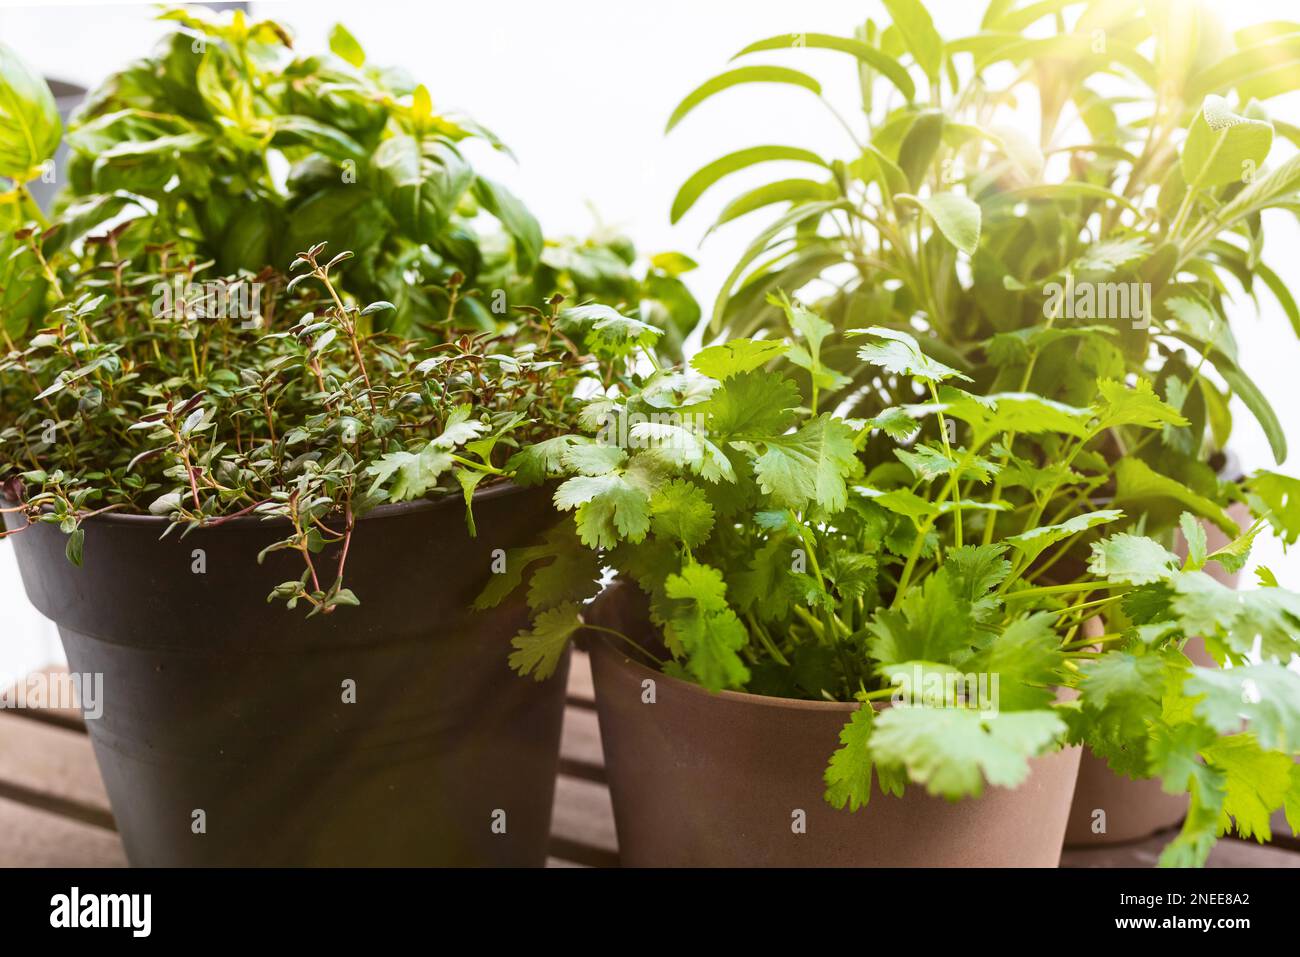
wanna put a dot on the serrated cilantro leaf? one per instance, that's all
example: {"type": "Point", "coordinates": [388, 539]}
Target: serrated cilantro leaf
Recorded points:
{"type": "Point", "coordinates": [1256, 783]}
{"type": "Point", "coordinates": [1021, 412]}
{"type": "Point", "coordinates": [1134, 559]}
{"type": "Point", "coordinates": [752, 406]}
{"type": "Point", "coordinates": [810, 466]}
{"type": "Point", "coordinates": [896, 423]}
{"type": "Point", "coordinates": [848, 775]}
{"type": "Point", "coordinates": [732, 358]}
{"type": "Point", "coordinates": [900, 501]}
{"type": "Point", "coordinates": [1266, 697]}
{"type": "Point", "coordinates": [572, 574]}
{"type": "Point", "coordinates": [681, 511]}
{"type": "Point", "coordinates": [764, 585]}
{"type": "Point", "coordinates": [569, 575]}
{"type": "Point", "coordinates": [610, 507]}
{"type": "Point", "coordinates": [898, 352]}
{"type": "Point", "coordinates": [412, 473]}
{"type": "Point", "coordinates": [683, 447]}
{"type": "Point", "coordinates": [1236, 553]}
{"type": "Point", "coordinates": [1032, 415]}
{"type": "Point", "coordinates": [1140, 406]}
{"type": "Point", "coordinates": [854, 575]}
{"type": "Point", "coordinates": [1292, 804]}
{"type": "Point", "coordinates": [1267, 616]}
{"type": "Point", "coordinates": [812, 329]}
{"type": "Point", "coordinates": [809, 326]}
{"type": "Point", "coordinates": [954, 751]}
{"type": "Point", "coordinates": [1038, 479]}
{"type": "Point", "coordinates": [1012, 348]}
{"type": "Point", "coordinates": [602, 413]}
{"type": "Point", "coordinates": [1032, 543]}
{"type": "Point", "coordinates": [670, 389]}
{"type": "Point", "coordinates": [932, 623]}
{"type": "Point", "coordinates": [703, 625]}
{"type": "Point", "coordinates": [1201, 826]}
{"type": "Point", "coordinates": [534, 464]}
{"type": "Point", "coordinates": [975, 570]}
{"type": "Point", "coordinates": [608, 332]}
{"type": "Point", "coordinates": [1119, 700]}
{"type": "Point", "coordinates": [592, 458]}
{"type": "Point", "coordinates": [926, 462]}
{"type": "Point", "coordinates": [1027, 660]}
{"type": "Point", "coordinates": [1175, 753]}
{"type": "Point", "coordinates": [538, 651]}
{"type": "Point", "coordinates": [460, 428]}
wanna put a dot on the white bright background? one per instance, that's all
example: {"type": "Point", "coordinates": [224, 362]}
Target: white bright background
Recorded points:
{"type": "Point", "coordinates": [581, 89]}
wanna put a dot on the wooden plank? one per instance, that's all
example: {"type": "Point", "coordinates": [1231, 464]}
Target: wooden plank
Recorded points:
{"type": "Point", "coordinates": [30, 837]}
{"type": "Point", "coordinates": [582, 693]}
{"type": "Point", "coordinates": [1227, 853]}
{"type": "Point", "coordinates": [580, 752]}
{"type": "Point", "coordinates": [51, 768]}
{"type": "Point", "coordinates": [582, 824]}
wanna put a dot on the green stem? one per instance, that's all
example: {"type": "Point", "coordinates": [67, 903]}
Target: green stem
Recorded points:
{"type": "Point", "coordinates": [489, 469]}
{"type": "Point", "coordinates": [1070, 589]}
{"type": "Point", "coordinates": [1089, 642]}
{"type": "Point", "coordinates": [618, 634]}
{"type": "Point", "coordinates": [766, 641]}
{"type": "Point", "coordinates": [947, 449]}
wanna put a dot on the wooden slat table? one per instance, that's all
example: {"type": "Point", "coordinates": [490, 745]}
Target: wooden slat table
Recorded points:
{"type": "Point", "coordinates": [54, 812]}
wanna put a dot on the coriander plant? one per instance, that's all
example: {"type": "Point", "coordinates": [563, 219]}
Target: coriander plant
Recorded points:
{"type": "Point", "coordinates": [783, 555]}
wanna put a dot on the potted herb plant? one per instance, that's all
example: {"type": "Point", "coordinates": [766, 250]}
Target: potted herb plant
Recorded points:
{"type": "Point", "coordinates": [1105, 242]}
{"type": "Point", "coordinates": [201, 131]}
{"type": "Point", "coordinates": [253, 503]}
{"type": "Point", "coordinates": [795, 587]}
{"type": "Point", "coordinates": [170, 478]}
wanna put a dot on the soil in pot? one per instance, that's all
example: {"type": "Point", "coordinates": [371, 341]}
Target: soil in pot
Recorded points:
{"type": "Point", "coordinates": [237, 732]}
{"type": "Point", "coordinates": [735, 780]}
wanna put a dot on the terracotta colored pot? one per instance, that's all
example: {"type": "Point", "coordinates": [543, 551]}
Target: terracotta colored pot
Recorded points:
{"type": "Point", "coordinates": [1112, 809]}
{"type": "Point", "coordinates": [216, 701]}
{"type": "Point", "coordinates": [719, 780]}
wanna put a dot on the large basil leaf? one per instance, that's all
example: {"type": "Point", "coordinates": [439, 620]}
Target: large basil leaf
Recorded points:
{"type": "Point", "coordinates": [29, 121]}
{"type": "Point", "coordinates": [420, 181]}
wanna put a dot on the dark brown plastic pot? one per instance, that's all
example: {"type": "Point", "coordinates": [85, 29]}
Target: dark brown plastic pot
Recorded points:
{"type": "Point", "coordinates": [718, 780]}
{"type": "Point", "coordinates": [216, 701]}
{"type": "Point", "coordinates": [1133, 810]}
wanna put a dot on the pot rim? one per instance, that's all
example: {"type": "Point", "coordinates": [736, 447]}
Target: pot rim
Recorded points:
{"type": "Point", "coordinates": [603, 647]}
{"type": "Point", "coordinates": [387, 510]}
